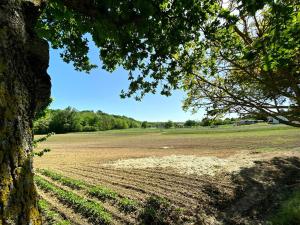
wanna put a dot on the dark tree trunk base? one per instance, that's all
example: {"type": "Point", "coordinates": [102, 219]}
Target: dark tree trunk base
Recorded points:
{"type": "Point", "coordinates": [24, 88]}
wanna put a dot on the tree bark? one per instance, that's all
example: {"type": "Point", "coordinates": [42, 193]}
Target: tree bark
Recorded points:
{"type": "Point", "coordinates": [24, 89]}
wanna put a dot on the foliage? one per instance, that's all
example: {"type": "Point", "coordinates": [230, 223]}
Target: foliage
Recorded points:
{"type": "Point", "coordinates": [247, 61]}
{"type": "Point", "coordinates": [169, 124]}
{"type": "Point", "coordinates": [41, 153]}
{"type": "Point", "coordinates": [140, 36]}
{"type": "Point", "coordinates": [63, 121]}
{"type": "Point", "coordinates": [35, 143]}
{"type": "Point", "coordinates": [71, 120]}
{"type": "Point", "coordinates": [216, 122]}
{"type": "Point", "coordinates": [72, 183]}
{"type": "Point", "coordinates": [51, 216]}
{"type": "Point", "coordinates": [190, 123]}
{"type": "Point", "coordinates": [144, 124]}
{"type": "Point", "coordinates": [128, 205]}
{"type": "Point", "coordinates": [91, 209]}
{"type": "Point", "coordinates": [159, 211]}
{"type": "Point", "coordinates": [289, 211]}
{"type": "Point", "coordinates": [103, 193]}
{"type": "Point", "coordinates": [42, 139]}
{"type": "Point", "coordinates": [233, 56]}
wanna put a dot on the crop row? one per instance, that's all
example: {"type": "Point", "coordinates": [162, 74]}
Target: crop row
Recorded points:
{"type": "Point", "coordinates": [72, 183]}
{"type": "Point", "coordinates": [100, 192]}
{"type": "Point", "coordinates": [91, 209]}
{"type": "Point", "coordinates": [51, 216]}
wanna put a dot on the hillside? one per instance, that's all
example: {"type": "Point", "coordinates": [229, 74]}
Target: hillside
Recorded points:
{"type": "Point", "coordinates": [72, 120]}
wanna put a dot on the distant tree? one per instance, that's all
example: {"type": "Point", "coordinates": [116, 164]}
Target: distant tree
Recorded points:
{"type": "Point", "coordinates": [206, 122]}
{"type": "Point", "coordinates": [64, 121]}
{"type": "Point", "coordinates": [41, 125]}
{"type": "Point", "coordinates": [144, 124]}
{"type": "Point", "coordinates": [71, 120]}
{"type": "Point", "coordinates": [190, 123]}
{"type": "Point", "coordinates": [168, 124]}
{"type": "Point", "coordinates": [42, 120]}
{"type": "Point", "coordinates": [256, 116]}
{"type": "Point", "coordinates": [229, 121]}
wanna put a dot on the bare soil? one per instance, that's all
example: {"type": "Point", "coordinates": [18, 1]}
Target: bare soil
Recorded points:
{"type": "Point", "coordinates": [221, 179]}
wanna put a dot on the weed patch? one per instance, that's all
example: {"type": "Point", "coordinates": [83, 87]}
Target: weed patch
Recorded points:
{"type": "Point", "coordinates": [289, 211]}
{"type": "Point", "coordinates": [158, 211]}
{"type": "Point", "coordinates": [128, 205]}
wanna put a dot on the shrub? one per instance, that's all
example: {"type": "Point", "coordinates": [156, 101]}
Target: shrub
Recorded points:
{"type": "Point", "coordinates": [128, 205]}
{"type": "Point", "coordinates": [158, 211]}
{"type": "Point", "coordinates": [289, 211]}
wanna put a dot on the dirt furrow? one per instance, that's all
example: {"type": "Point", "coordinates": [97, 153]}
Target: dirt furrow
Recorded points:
{"type": "Point", "coordinates": [162, 180]}
{"type": "Point", "coordinates": [122, 191]}
{"type": "Point", "coordinates": [187, 192]}
{"type": "Point", "coordinates": [62, 209]}
{"type": "Point", "coordinates": [118, 217]}
{"type": "Point", "coordinates": [189, 181]}
{"type": "Point", "coordinates": [180, 201]}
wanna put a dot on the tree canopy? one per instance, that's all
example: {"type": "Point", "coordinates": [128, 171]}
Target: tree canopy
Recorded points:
{"type": "Point", "coordinates": [247, 61]}
{"type": "Point", "coordinates": [72, 120]}
{"type": "Point", "coordinates": [141, 36]}
{"type": "Point", "coordinates": [230, 56]}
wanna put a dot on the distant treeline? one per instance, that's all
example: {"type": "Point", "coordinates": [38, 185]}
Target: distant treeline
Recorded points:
{"type": "Point", "coordinates": [189, 123]}
{"type": "Point", "coordinates": [72, 120]}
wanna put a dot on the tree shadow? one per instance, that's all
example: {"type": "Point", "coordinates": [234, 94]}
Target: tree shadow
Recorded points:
{"type": "Point", "coordinates": [259, 189]}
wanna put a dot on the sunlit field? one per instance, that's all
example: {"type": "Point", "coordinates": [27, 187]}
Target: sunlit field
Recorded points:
{"type": "Point", "coordinates": [168, 176]}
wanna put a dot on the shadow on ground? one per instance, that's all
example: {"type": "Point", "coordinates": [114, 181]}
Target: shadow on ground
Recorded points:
{"type": "Point", "coordinates": [255, 193]}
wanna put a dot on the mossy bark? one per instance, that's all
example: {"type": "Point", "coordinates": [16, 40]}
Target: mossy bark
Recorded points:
{"type": "Point", "coordinates": [24, 89]}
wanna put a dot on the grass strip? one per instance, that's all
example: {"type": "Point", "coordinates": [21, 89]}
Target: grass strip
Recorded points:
{"type": "Point", "coordinates": [51, 216]}
{"type": "Point", "coordinates": [88, 208]}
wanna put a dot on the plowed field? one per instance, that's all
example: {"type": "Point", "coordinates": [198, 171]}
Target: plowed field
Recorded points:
{"type": "Point", "coordinates": [230, 175]}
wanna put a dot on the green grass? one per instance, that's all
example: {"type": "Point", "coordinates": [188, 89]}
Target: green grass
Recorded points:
{"type": "Point", "coordinates": [289, 211]}
{"type": "Point", "coordinates": [51, 216]}
{"type": "Point", "coordinates": [269, 149]}
{"type": "Point", "coordinates": [91, 209]}
{"type": "Point", "coordinates": [223, 129]}
{"type": "Point", "coordinates": [230, 129]}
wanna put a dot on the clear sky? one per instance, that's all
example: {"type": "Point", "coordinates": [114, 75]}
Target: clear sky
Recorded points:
{"type": "Point", "coordinates": [100, 90]}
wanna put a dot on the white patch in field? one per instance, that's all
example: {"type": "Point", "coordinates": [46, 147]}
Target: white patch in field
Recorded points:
{"type": "Point", "coordinates": [189, 164]}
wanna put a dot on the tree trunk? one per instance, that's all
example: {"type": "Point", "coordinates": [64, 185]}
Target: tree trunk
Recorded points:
{"type": "Point", "coordinates": [24, 89]}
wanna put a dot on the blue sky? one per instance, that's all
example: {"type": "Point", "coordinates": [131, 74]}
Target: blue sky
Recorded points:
{"type": "Point", "coordinates": [100, 90]}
